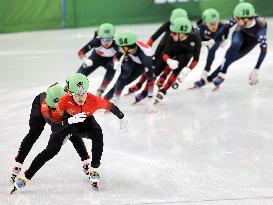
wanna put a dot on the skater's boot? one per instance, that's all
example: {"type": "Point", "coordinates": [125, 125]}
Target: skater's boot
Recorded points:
{"type": "Point", "coordinates": [21, 182]}
{"type": "Point", "coordinates": [15, 171]}
{"type": "Point", "coordinates": [94, 175]}
{"type": "Point", "coordinates": [218, 80]}
{"type": "Point", "coordinates": [160, 95]}
{"type": "Point", "coordinates": [86, 166]}
{"type": "Point", "coordinates": [140, 96]}
{"type": "Point", "coordinates": [199, 83]}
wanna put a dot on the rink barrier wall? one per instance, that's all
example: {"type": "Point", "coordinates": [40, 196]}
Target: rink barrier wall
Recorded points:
{"type": "Point", "coordinates": [28, 15]}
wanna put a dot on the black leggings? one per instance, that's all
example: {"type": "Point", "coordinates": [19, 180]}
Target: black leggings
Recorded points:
{"type": "Point", "coordinates": [88, 129]}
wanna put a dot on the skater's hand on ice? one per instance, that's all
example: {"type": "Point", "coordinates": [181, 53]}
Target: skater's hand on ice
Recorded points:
{"type": "Point", "coordinates": [173, 64]}
{"type": "Point", "coordinates": [123, 123]}
{"type": "Point", "coordinates": [253, 77]}
{"type": "Point", "coordinates": [80, 117]}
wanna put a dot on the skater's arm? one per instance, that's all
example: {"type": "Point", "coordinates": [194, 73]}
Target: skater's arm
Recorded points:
{"type": "Point", "coordinates": [47, 114]}
{"type": "Point", "coordinates": [95, 34]}
{"type": "Point", "coordinates": [146, 61]}
{"type": "Point", "coordinates": [224, 30]}
{"type": "Point", "coordinates": [100, 103]}
{"type": "Point", "coordinates": [169, 48]}
{"type": "Point", "coordinates": [263, 46]}
{"type": "Point", "coordinates": [116, 111]}
{"type": "Point", "coordinates": [95, 42]}
{"type": "Point", "coordinates": [58, 126]}
{"type": "Point", "coordinates": [165, 27]}
{"type": "Point", "coordinates": [196, 51]}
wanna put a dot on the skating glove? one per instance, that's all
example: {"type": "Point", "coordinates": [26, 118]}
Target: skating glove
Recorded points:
{"type": "Point", "coordinates": [253, 77]}
{"type": "Point", "coordinates": [80, 117]}
{"type": "Point", "coordinates": [81, 54]}
{"type": "Point", "coordinates": [123, 123]}
{"type": "Point", "coordinates": [185, 71]}
{"type": "Point", "coordinates": [117, 65]}
{"type": "Point", "coordinates": [150, 42]}
{"type": "Point", "coordinates": [88, 62]}
{"type": "Point", "coordinates": [173, 64]}
{"type": "Point", "coordinates": [208, 43]}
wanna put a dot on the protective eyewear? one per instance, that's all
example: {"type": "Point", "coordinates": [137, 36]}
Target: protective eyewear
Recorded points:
{"type": "Point", "coordinates": [106, 39]}
{"type": "Point", "coordinates": [78, 95]}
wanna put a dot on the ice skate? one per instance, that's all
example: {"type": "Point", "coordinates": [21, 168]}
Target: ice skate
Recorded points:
{"type": "Point", "coordinates": [94, 178]}
{"type": "Point", "coordinates": [15, 171]}
{"type": "Point", "coordinates": [19, 183]}
{"type": "Point", "coordinates": [198, 84]}
{"type": "Point", "coordinates": [160, 96]}
{"type": "Point", "coordinates": [86, 166]}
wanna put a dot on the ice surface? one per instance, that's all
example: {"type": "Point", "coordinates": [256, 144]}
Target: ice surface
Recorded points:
{"type": "Point", "coordinates": [199, 148]}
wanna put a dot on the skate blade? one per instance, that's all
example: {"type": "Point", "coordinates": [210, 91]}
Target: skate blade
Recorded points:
{"type": "Point", "coordinates": [156, 102]}
{"type": "Point", "coordinates": [12, 179]}
{"type": "Point", "coordinates": [134, 103]}
{"type": "Point", "coordinates": [128, 94]}
{"type": "Point", "coordinates": [192, 88]}
{"type": "Point", "coordinates": [95, 186]}
{"type": "Point", "coordinates": [13, 190]}
{"type": "Point", "coordinates": [215, 89]}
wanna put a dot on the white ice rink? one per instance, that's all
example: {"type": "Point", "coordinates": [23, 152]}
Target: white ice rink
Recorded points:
{"type": "Point", "coordinates": [199, 148]}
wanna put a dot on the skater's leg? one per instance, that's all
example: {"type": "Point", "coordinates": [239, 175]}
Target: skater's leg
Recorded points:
{"type": "Point", "coordinates": [80, 147]}
{"type": "Point", "coordinates": [110, 73]}
{"type": "Point", "coordinates": [53, 147]}
{"type": "Point", "coordinates": [211, 55]}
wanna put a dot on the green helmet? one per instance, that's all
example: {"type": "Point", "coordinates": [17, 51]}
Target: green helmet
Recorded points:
{"type": "Point", "coordinates": [126, 39]}
{"type": "Point", "coordinates": [177, 13]}
{"type": "Point", "coordinates": [181, 25]}
{"type": "Point", "coordinates": [244, 10]}
{"type": "Point", "coordinates": [211, 16]}
{"type": "Point", "coordinates": [106, 30]}
{"type": "Point", "coordinates": [77, 83]}
{"type": "Point", "coordinates": [53, 94]}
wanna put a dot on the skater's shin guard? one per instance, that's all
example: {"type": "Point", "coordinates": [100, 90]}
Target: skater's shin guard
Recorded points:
{"type": "Point", "coordinates": [149, 88]}
{"type": "Point", "coordinates": [171, 80]}
{"type": "Point", "coordinates": [167, 71]}
{"type": "Point", "coordinates": [142, 79]}
{"type": "Point", "coordinates": [104, 84]}
{"type": "Point", "coordinates": [139, 84]}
